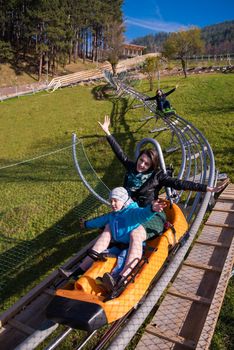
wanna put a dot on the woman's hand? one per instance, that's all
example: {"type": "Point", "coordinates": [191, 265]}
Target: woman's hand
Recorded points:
{"type": "Point", "coordinates": [218, 188]}
{"type": "Point", "coordinates": [105, 125]}
{"type": "Point", "coordinates": [158, 205]}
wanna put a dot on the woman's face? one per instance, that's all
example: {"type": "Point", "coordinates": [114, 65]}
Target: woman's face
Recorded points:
{"type": "Point", "coordinates": [143, 163]}
{"type": "Point", "coordinates": [159, 92]}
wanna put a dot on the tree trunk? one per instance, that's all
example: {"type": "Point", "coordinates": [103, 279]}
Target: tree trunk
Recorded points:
{"type": "Point", "coordinates": [40, 67]}
{"type": "Point", "coordinates": [82, 44]}
{"type": "Point", "coordinates": [76, 47]}
{"type": "Point", "coordinates": [93, 46]}
{"type": "Point", "coordinates": [114, 65]}
{"type": "Point", "coordinates": [87, 45]}
{"type": "Point", "coordinates": [96, 45]}
{"type": "Point", "coordinates": [70, 52]}
{"type": "Point", "coordinates": [151, 83]}
{"type": "Point", "coordinates": [53, 61]}
{"type": "Point", "coordinates": [158, 79]}
{"type": "Point", "coordinates": [79, 43]}
{"type": "Point", "coordinates": [183, 62]}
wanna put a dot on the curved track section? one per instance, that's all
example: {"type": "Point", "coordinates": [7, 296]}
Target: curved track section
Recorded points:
{"type": "Point", "coordinates": [197, 159]}
{"type": "Point", "coordinates": [197, 163]}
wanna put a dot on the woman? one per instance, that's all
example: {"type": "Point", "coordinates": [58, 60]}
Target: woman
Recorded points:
{"type": "Point", "coordinates": [161, 99]}
{"type": "Point", "coordinates": [144, 179]}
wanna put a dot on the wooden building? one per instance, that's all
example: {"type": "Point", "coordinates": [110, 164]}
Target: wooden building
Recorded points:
{"type": "Point", "coordinates": [132, 50]}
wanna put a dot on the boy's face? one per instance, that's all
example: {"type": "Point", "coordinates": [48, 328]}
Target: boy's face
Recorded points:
{"type": "Point", "coordinates": [116, 204]}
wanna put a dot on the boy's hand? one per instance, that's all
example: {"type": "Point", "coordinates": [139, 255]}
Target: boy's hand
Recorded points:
{"type": "Point", "coordinates": [159, 205]}
{"type": "Point", "coordinates": [82, 222]}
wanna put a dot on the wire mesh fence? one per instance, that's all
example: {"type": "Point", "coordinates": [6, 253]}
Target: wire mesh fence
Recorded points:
{"type": "Point", "coordinates": [41, 203]}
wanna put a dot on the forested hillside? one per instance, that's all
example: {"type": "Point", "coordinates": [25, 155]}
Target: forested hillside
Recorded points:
{"type": "Point", "coordinates": [52, 32]}
{"type": "Point", "coordinates": [218, 38]}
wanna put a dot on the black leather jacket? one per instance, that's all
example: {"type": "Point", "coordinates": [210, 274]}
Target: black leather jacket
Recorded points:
{"type": "Point", "coordinates": [151, 187]}
{"type": "Point", "coordinates": [159, 98]}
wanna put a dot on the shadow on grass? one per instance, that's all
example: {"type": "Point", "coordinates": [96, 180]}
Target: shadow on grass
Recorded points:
{"type": "Point", "coordinates": [37, 172]}
{"type": "Point", "coordinates": [26, 261]}
{"type": "Point", "coordinates": [25, 65]}
{"type": "Point", "coordinates": [102, 92]}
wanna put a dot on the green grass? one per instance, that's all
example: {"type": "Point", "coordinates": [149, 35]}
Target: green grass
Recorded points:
{"type": "Point", "coordinates": [42, 200]}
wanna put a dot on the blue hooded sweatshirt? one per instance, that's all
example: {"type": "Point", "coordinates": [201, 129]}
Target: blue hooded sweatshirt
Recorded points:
{"type": "Point", "coordinates": [123, 221]}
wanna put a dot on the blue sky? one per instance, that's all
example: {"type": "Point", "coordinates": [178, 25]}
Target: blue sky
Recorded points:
{"type": "Point", "coordinates": [143, 17]}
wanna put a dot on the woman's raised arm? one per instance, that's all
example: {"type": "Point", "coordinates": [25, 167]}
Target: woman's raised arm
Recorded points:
{"type": "Point", "coordinates": [105, 125]}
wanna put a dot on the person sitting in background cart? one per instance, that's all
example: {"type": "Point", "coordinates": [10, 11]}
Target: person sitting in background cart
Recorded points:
{"type": "Point", "coordinates": [163, 105]}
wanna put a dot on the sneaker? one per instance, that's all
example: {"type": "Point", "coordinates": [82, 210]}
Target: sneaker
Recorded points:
{"type": "Point", "coordinates": [109, 282]}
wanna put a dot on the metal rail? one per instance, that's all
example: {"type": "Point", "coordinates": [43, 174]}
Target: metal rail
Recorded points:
{"type": "Point", "coordinates": [195, 151]}
{"type": "Point", "coordinates": [187, 316]}
{"type": "Point", "coordinates": [197, 163]}
{"type": "Point", "coordinates": [80, 172]}
{"type": "Point", "coordinates": [192, 142]}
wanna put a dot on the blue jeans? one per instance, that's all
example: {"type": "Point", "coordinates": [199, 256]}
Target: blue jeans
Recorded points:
{"type": "Point", "coordinates": [121, 258]}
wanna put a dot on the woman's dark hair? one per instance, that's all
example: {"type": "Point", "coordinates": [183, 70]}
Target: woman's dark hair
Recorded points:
{"type": "Point", "coordinates": [152, 154]}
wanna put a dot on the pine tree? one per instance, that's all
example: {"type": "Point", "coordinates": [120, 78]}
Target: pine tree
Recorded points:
{"type": "Point", "coordinates": [56, 30]}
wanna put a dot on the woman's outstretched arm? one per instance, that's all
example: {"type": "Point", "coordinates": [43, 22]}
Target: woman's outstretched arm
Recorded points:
{"type": "Point", "coordinates": [218, 188]}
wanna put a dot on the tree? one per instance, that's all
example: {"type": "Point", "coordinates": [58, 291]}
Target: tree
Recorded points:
{"type": "Point", "coordinates": [182, 44]}
{"type": "Point", "coordinates": [51, 32]}
{"type": "Point", "coordinates": [6, 53]}
{"type": "Point", "coordinates": [150, 68]}
{"type": "Point", "coordinates": [114, 43]}
{"type": "Point", "coordinates": [152, 42]}
{"type": "Point", "coordinates": [219, 38]}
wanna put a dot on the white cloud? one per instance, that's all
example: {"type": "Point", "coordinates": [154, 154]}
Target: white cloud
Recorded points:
{"type": "Point", "coordinates": [155, 25]}
{"type": "Point", "coordinates": [158, 12]}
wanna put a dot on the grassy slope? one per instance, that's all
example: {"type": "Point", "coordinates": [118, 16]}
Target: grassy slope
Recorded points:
{"type": "Point", "coordinates": [47, 188]}
{"type": "Point", "coordinates": [25, 74]}
{"type": "Point", "coordinates": [48, 120]}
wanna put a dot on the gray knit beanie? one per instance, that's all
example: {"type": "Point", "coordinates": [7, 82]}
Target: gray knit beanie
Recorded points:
{"type": "Point", "coordinates": [119, 193]}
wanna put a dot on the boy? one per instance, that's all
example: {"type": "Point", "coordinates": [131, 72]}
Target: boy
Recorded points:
{"type": "Point", "coordinates": [122, 225]}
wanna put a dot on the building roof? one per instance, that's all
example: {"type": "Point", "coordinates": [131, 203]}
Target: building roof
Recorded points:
{"type": "Point", "coordinates": [134, 47]}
